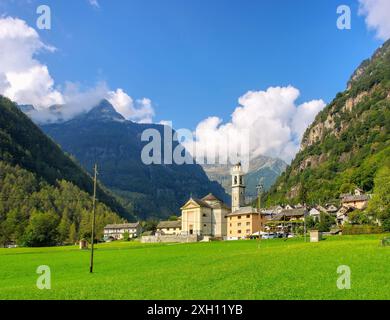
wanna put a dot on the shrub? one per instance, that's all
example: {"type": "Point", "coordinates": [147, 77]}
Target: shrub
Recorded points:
{"type": "Point", "coordinates": [361, 229]}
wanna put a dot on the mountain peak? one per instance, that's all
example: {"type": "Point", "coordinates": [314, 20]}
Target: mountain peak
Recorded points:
{"type": "Point", "coordinates": [104, 111]}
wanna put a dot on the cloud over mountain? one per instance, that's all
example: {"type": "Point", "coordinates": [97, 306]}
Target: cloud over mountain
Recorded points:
{"type": "Point", "coordinates": [26, 80]}
{"type": "Point", "coordinates": [140, 110]}
{"type": "Point", "coordinates": [272, 118]}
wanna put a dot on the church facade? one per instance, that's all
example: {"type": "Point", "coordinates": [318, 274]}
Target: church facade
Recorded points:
{"type": "Point", "coordinates": [205, 217]}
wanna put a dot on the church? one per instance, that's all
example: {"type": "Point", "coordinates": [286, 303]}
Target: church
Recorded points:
{"type": "Point", "coordinates": [209, 216]}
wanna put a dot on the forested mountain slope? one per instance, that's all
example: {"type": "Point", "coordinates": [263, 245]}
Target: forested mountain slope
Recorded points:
{"type": "Point", "coordinates": [42, 190]}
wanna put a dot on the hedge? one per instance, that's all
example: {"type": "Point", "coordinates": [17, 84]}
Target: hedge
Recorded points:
{"type": "Point", "coordinates": [361, 229]}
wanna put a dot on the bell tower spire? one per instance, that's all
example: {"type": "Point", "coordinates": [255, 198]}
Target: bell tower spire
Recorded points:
{"type": "Point", "coordinates": [238, 187]}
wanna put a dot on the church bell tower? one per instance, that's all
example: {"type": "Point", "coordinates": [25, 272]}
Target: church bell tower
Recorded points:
{"type": "Point", "coordinates": [238, 187]}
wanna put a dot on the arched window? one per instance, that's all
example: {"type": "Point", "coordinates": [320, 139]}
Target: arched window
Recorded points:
{"type": "Point", "coordinates": [235, 179]}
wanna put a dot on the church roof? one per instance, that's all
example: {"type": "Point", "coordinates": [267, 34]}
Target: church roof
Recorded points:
{"type": "Point", "coordinates": [210, 197]}
{"type": "Point", "coordinates": [199, 202]}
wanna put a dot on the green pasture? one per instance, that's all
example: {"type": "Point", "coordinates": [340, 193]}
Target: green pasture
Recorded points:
{"type": "Point", "coordinates": [271, 269]}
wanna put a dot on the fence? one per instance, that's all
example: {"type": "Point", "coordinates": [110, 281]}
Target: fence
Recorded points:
{"type": "Point", "coordinates": [169, 239]}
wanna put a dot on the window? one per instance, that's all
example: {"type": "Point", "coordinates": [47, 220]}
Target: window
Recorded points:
{"type": "Point", "coordinates": [239, 217]}
{"type": "Point", "coordinates": [230, 224]}
{"type": "Point", "coordinates": [205, 225]}
{"type": "Point", "coordinates": [239, 231]}
{"type": "Point", "coordinates": [204, 215]}
{"type": "Point", "coordinates": [248, 231]}
{"type": "Point", "coordinates": [248, 216]}
{"type": "Point", "coordinates": [238, 224]}
{"type": "Point", "coordinates": [231, 232]}
{"type": "Point", "coordinates": [248, 223]}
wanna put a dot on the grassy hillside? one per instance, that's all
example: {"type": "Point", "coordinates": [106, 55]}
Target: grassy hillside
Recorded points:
{"type": "Point", "coordinates": [217, 270]}
{"type": "Point", "coordinates": [348, 142]}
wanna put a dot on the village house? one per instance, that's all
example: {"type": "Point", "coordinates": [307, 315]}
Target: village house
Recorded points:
{"type": "Point", "coordinates": [331, 209]}
{"type": "Point", "coordinates": [315, 213]}
{"type": "Point", "coordinates": [116, 231]}
{"type": "Point", "coordinates": [245, 222]}
{"type": "Point", "coordinates": [291, 215]}
{"type": "Point", "coordinates": [287, 220]}
{"type": "Point", "coordinates": [350, 202]}
{"type": "Point", "coordinates": [169, 227]}
{"type": "Point", "coordinates": [342, 215]}
{"type": "Point", "coordinates": [356, 202]}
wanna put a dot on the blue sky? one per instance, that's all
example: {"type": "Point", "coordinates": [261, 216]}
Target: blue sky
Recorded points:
{"type": "Point", "coordinates": [200, 56]}
{"type": "Point", "coordinates": [194, 59]}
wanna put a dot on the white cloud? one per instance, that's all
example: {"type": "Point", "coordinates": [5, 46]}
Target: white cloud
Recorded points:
{"type": "Point", "coordinates": [273, 119]}
{"type": "Point", "coordinates": [139, 111]}
{"type": "Point", "coordinates": [377, 16]}
{"type": "Point", "coordinates": [26, 80]}
{"type": "Point", "coordinates": [94, 3]}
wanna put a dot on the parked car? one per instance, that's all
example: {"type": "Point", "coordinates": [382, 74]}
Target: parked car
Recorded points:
{"type": "Point", "coordinates": [269, 236]}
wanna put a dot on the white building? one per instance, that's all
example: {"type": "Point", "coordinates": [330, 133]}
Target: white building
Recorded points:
{"type": "Point", "coordinates": [116, 231]}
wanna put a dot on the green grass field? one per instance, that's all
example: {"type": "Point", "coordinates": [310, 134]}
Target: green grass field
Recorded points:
{"type": "Point", "coordinates": [220, 270]}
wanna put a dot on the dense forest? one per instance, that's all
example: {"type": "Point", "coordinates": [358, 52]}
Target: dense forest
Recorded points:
{"type": "Point", "coordinates": [45, 197]}
{"type": "Point", "coordinates": [347, 146]}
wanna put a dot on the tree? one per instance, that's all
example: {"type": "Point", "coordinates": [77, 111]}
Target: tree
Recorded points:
{"type": "Point", "coordinates": [42, 230]}
{"type": "Point", "coordinates": [126, 236]}
{"type": "Point", "coordinates": [379, 205]}
{"type": "Point", "coordinates": [150, 225]}
{"type": "Point", "coordinates": [310, 222]}
{"type": "Point", "coordinates": [73, 237]}
{"type": "Point", "coordinates": [326, 222]}
{"type": "Point", "coordinates": [63, 228]}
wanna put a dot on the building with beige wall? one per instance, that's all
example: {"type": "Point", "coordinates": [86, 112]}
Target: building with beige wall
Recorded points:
{"type": "Point", "coordinates": [245, 222]}
{"type": "Point", "coordinates": [205, 217]}
{"type": "Point", "coordinates": [169, 227]}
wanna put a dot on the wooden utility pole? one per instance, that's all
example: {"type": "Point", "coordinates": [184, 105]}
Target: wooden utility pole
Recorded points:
{"type": "Point", "coordinates": [93, 218]}
{"type": "Point", "coordinates": [259, 188]}
{"type": "Point", "coordinates": [304, 228]}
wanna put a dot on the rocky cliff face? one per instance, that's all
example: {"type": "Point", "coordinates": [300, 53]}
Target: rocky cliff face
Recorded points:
{"type": "Point", "coordinates": [348, 140]}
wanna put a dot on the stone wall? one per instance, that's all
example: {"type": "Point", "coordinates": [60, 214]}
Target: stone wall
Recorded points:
{"type": "Point", "coordinates": [169, 239]}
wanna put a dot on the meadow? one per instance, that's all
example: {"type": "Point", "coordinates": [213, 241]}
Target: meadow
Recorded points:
{"type": "Point", "coordinates": [273, 269]}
